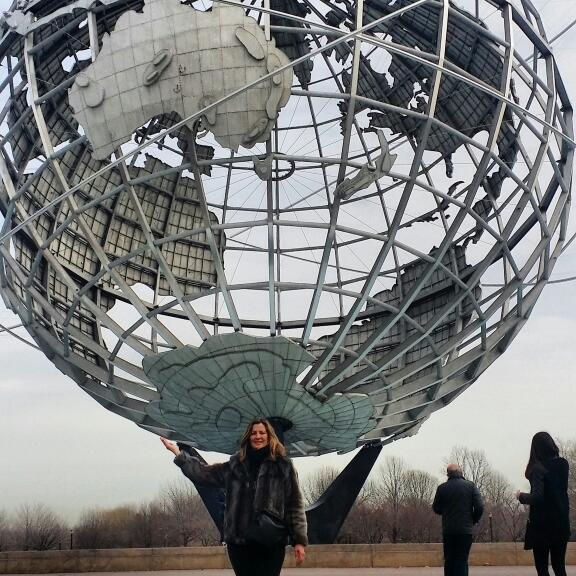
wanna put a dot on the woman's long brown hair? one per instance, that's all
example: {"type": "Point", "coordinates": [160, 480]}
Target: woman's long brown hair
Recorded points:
{"type": "Point", "coordinates": [276, 447]}
{"type": "Point", "coordinates": [543, 448]}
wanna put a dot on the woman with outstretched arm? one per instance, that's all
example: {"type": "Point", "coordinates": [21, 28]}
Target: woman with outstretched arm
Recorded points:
{"type": "Point", "coordinates": [264, 505]}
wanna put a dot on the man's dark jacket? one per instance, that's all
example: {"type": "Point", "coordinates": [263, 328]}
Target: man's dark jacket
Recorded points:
{"type": "Point", "coordinates": [276, 492]}
{"type": "Point", "coordinates": [460, 504]}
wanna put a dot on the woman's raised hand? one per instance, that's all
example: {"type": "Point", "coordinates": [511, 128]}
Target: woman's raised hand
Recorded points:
{"type": "Point", "coordinates": [170, 446]}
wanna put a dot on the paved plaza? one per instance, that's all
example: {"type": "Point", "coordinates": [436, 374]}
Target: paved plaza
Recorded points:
{"type": "Point", "coordinates": [434, 571]}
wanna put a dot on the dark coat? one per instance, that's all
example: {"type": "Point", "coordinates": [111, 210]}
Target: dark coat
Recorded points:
{"type": "Point", "coordinates": [549, 519]}
{"type": "Point", "coordinates": [459, 502]}
{"type": "Point", "coordinates": [276, 492]}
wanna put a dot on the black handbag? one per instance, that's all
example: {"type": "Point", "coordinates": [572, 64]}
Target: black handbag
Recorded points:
{"type": "Point", "coordinates": [529, 536]}
{"type": "Point", "coordinates": [267, 530]}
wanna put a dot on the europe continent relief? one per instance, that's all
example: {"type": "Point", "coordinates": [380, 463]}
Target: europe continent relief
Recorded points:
{"type": "Point", "coordinates": [172, 58]}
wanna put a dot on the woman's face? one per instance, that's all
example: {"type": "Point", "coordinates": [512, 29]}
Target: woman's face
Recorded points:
{"type": "Point", "coordinates": [258, 436]}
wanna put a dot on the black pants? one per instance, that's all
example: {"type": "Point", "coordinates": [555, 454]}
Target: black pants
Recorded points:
{"type": "Point", "coordinates": [456, 550]}
{"type": "Point", "coordinates": [255, 560]}
{"type": "Point", "coordinates": [557, 556]}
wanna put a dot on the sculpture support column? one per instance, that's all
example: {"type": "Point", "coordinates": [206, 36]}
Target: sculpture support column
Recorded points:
{"type": "Point", "coordinates": [326, 516]}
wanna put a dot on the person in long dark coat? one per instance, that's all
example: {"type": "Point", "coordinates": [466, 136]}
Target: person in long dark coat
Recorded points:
{"type": "Point", "coordinates": [548, 528]}
{"type": "Point", "coordinates": [258, 480]}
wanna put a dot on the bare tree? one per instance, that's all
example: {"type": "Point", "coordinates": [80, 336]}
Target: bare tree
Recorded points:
{"type": "Point", "coordinates": [497, 489]}
{"type": "Point", "coordinates": [149, 524]}
{"type": "Point", "coordinates": [369, 493]}
{"type": "Point", "coordinates": [568, 451]}
{"type": "Point", "coordinates": [419, 523]}
{"type": "Point", "coordinates": [365, 524]}
{"type": "Point", "coordinates": [91, 531]}
{"type": "Point", "coordinates": [473, 463]}
{"type": "Point", "coordinates": [5, 531]}
{"type": "Point", "coordinates": [504, 516]}
{"type": "Point", "coordinates": [188, 520]}
{"type": "Point", "coordinates": [514, 520]}
{"type": "Point", "coordinates": [124, 526]}
{"type": "Point", "coordinates": [36, 527]}
{"type": "Point", "coordinates": [420, 486]}
{"type": "Point", "coordinates": [120, 521]}
{"type": "Point", "coordinates": [392, 479]}
{"type": "Point", "coordinates": [315, 484]}
{"type": "Point", "coordinates": [391, 491]}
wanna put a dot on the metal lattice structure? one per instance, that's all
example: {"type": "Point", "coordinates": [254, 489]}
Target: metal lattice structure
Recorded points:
{"type": "Point", "coordinates": [384, 183]}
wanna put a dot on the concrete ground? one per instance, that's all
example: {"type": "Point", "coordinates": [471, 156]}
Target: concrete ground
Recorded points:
{"type": "Point", "coordinates": [474, 571]}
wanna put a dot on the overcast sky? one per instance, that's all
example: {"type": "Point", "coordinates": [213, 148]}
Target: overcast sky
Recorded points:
{"type": "Point", "coordinates": [59, 447]}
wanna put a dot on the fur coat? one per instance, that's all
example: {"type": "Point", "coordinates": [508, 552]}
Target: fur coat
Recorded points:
{"type": "Point", "coordinates": [277, 492]}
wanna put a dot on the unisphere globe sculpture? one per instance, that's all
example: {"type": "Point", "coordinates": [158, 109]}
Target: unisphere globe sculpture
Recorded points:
{"type": "Point", "coordinates": [333, 214]}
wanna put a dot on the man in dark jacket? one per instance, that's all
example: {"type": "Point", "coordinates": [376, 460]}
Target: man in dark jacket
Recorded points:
{"type": "Point", "coordinates": [460, 504]}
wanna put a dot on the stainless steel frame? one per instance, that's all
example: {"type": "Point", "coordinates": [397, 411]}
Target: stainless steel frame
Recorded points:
{"type": "Point", "coordinates": [406, 291]}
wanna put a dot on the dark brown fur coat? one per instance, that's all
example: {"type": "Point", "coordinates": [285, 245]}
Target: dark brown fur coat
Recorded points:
{"type": "Point", "coordinates": [277, 492]}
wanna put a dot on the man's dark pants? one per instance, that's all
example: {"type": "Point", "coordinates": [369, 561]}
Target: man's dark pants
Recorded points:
{"type": "Point", "coordinates": [456, 550]}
